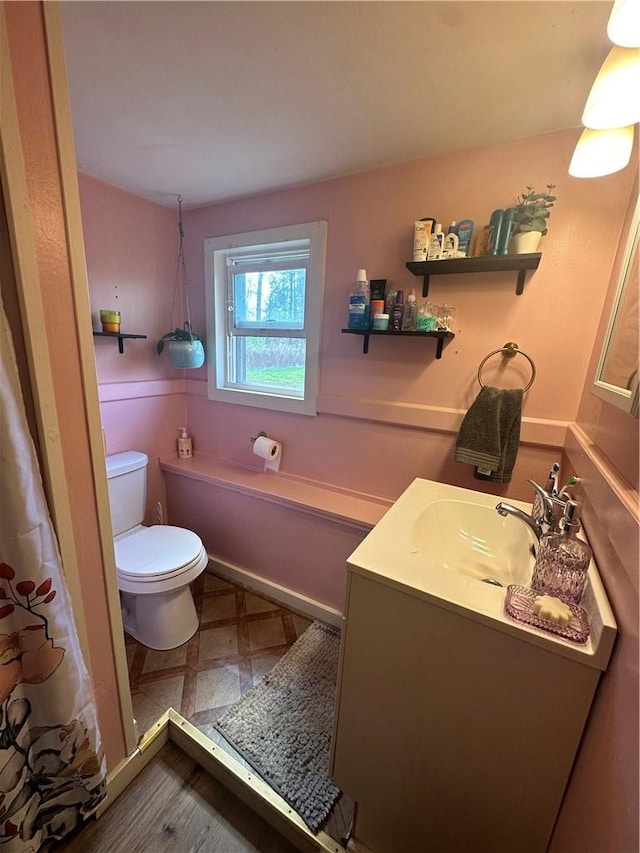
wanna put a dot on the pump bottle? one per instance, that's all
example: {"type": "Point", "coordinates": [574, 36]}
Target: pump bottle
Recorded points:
{"type": "Point", "coordinates": [185, 445]}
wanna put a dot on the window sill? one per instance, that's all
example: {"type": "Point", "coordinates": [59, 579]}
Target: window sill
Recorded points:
{"type": "Point", "coordinates": [348, 508]}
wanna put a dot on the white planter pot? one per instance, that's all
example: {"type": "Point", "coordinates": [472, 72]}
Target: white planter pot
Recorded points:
{"type": "Point", "coordinates": [525, 242]}
{"type": "Point", "coordinates": [186, 354]}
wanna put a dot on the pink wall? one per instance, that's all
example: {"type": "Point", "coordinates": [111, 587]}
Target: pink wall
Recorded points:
{"type": "Point", "coordinates": [370, 217]}
{"type": "Point", "coordinates": [131, 247]}
{"type": "Point", "coordinates": [604, 448]}
{"type": "Point", "coordinates": [32, 84]}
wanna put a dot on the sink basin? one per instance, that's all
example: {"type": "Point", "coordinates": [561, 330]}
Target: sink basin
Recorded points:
{"type": "Point", "coordinates": [473, 540]}
{"type": "Point", "coordinates": [439, 542]}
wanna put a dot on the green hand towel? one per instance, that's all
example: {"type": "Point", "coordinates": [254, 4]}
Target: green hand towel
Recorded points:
{"type": "Point", "coordinates": [489, 435]}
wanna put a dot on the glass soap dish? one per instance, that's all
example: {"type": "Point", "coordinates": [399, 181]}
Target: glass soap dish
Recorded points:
{"type": "Point", "coordinates": [519, 605]}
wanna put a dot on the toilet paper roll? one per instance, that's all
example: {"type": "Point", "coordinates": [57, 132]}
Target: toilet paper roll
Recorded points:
{"type": "Point", "coordinates": [269, 450]}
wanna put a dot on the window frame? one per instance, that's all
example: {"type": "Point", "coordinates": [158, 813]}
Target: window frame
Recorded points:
{"type": "Point", "coordinates": [271, 240]}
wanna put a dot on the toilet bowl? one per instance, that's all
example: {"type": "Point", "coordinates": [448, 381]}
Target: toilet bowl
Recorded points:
{"type": "Point", "coordinates": [155, 565]}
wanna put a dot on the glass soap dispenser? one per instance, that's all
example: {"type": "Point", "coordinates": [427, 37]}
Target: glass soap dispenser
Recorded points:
{"type": "Point", "coordinates": [563, 560]}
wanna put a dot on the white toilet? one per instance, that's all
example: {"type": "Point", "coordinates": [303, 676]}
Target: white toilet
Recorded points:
{"type": "Point", "coordinates": [155, 564]}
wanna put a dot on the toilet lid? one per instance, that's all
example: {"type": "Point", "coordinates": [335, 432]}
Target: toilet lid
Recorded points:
{"type": "Point", "coordinates": [155, 552]}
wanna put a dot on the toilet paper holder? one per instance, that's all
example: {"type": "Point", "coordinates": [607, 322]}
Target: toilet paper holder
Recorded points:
{"type": "Point", "coordinates": [259, 435]}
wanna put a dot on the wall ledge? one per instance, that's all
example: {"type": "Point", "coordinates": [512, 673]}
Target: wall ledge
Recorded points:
{"type": "Point", "coordinates": [351, 509]}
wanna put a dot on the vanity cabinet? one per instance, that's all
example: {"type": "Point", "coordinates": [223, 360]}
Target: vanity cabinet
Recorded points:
{"type": "Point", "coordinates": [451, 734]}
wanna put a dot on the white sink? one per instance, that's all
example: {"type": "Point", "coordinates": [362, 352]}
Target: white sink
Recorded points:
{"type": "Point", "coordinates": [472, 539]}
{"type": "Point", "coordinates": [440, 542]}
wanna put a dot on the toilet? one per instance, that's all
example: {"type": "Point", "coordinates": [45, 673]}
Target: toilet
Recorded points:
{"type": "Point", "coordinates": [155, 565]}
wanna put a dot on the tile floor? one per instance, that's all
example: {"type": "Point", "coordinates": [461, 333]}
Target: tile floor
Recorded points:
{"type": "Point", "coordinates": [241, 637]}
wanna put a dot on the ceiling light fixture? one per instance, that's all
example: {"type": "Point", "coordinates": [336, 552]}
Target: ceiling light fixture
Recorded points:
{"type": "Point", "coordinates": [601, 152]}
{"type": "Point", "coordinates": [613, 100]}
{"type": "Point", "coordinates": [624, 23]}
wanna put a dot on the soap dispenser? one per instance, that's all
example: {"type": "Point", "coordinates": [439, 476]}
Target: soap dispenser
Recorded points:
{"type": "Point", "coordinates": [563, 560]}
{"type": "Point", "coordinates": [185, 445]}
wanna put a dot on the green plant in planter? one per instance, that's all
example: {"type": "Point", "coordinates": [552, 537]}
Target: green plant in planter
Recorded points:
{"type": "Point", "coordinates": [533, 210]}
{"type": "Point", "coordinates": [184, 334]}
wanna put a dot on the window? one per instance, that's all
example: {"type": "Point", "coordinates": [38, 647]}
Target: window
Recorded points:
{"type": "Point", "coordinates": [264, 310]}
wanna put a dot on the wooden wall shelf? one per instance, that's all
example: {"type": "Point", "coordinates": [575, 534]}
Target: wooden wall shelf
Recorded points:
{"type": "Point", "coordinates": [441, 337]}
{"type": "Point", "coordinates": [484, 263]}
{"type": "Point", "coordinates": [119, 335]}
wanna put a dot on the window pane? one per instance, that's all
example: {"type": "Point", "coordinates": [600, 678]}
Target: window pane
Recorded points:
{"type": "Point", "coordinates": [269, 298]}
{"type": "Point", "coordinates": [269, 364]}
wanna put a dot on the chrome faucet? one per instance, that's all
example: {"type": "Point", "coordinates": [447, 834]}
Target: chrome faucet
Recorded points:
{"type": "Point", "coordinates": [505, 509]}
{"type": "Point", "coordinates": [550, 509]}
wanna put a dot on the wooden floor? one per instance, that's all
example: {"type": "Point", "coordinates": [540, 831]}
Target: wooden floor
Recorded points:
{"type": "Point", "coordinates": [174, 805]}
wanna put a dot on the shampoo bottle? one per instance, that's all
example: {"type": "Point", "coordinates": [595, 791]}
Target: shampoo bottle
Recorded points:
{"type": "Point", "coordinates": [359, 302]}
{"type": "Point", "coordinates": [465, 233]}
{"type": "Point", "coordinates": [495, 231]}
{"type": "Point", "coordinates": [505, 232]}
{"type": "Point", "coordinates": [436, 244]}
{"type": "Point", "coordinates": [185, 445]}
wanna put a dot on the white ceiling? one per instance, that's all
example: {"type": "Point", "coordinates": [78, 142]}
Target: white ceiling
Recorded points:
{"type": "Point", "coordinates": [218, 100]}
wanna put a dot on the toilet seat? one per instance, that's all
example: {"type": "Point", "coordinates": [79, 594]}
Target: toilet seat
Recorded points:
{"type": "Point", "coordinates": [158, 553]}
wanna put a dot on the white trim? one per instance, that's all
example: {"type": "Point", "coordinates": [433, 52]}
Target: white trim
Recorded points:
{"type": "Point", "coordinates": [285, 596]}
{"type": "Point", "coordinates": [216, 253]}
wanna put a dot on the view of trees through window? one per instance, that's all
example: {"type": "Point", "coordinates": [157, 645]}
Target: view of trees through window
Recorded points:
{"type": "Point", "coordinates": [272, 301]}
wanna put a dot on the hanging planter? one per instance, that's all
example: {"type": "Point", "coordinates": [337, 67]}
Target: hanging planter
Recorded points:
{"type": "Point", "coordinates": [184, 347]}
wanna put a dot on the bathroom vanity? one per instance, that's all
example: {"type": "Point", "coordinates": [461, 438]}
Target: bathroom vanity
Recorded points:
{"type": "Point", "coordinates": [456, 727]}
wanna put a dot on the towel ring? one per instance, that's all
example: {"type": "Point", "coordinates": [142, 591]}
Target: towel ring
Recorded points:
{"type": "Point", "coordinates": [509, 350]}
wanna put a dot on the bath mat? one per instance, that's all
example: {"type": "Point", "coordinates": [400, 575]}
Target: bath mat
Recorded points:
{"type": "Point", "coordinates": [283, 725]}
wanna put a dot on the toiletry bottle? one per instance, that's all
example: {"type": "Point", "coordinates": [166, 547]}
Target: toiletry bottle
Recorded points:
{"type": "Point", "coordinates": [465, 233]}
{"type": "Point", "coordinates": [436, 244]}
{"type": "Point", "coordinates": [563, 560]}
{"type": "Point", "coordinates": [421, 235]}
{"type": "Point", "coordinates": [505, 231]}
{"type": "Point", "coordinates": [377, 286]}
{"type": "Point", "coordinates": [389, 302]}
{"type": "Point", "coordinates": [451, 245]}
{"type": "Point", "coordinates": [453, 228]}
{"type": "Point", "coordinates": [185, 445]}
{"type": "Point", "coordinates": [482, 242]}
{"type": "Point", "coordinates": [410, 318]}
{"type": "Point", "coordinates": [495, 231]}
{"type": "Point", "coordinates": [398, 312]}
{"type": "Point", "coordinates": [359, 302]}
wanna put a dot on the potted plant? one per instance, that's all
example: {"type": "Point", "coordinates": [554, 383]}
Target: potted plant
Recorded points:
{"type": "Point", "coordinates": [184, 347]}
{"type": "Point", "coordinates": [530, 219]}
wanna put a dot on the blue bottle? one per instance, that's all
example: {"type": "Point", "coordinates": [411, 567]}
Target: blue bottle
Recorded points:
{"type": "Point", "coordinates": [360, 302]}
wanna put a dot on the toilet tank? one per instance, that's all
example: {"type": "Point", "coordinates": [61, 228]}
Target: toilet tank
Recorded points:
{"type": "Point", "coordinates": [127, 481]}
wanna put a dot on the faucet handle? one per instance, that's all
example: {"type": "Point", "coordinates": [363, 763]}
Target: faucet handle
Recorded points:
{"type": "Point", "coordinates": [542, 508]}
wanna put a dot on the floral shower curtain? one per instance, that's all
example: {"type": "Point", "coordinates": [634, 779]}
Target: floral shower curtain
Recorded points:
{"type": "Point", "coordinates": [52, 768]}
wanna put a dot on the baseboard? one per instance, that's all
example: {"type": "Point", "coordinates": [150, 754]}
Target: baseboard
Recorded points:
{"type": "Point", "coordinates": [248, 787]}
{"type": "Point", "coordinates": [126, 771]}
{"type": "Point", "coordinates": [288, 597]}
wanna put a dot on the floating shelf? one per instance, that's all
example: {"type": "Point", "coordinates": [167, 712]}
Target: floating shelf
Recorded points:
{"type": "Point", "coordinates": [119, 335]}
{"type": "Point", "coordinates": [439, 336]}
{"type": "Point", "coordinates": [484, 263]}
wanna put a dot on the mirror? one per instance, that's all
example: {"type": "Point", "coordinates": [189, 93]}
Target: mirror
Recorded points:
{"type": "Point", "coordinates": [617, 373]}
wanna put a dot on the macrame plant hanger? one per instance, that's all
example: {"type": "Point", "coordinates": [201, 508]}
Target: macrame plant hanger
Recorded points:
{"type": "Point", "coordinates": [184, 345]}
